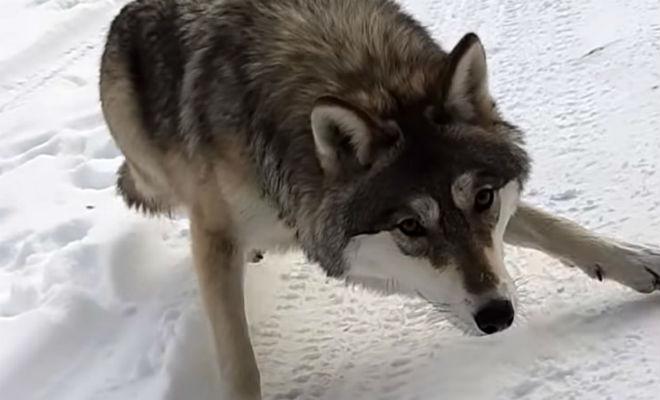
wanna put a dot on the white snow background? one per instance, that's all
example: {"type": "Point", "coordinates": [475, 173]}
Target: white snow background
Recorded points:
{"type": "Point", "coordinates": [97, 302]}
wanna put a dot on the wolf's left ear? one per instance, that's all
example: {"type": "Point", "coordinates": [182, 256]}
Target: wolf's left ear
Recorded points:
{"type": "Point", "coordinates": [466, 91]}
{"type": "Point", "coordinates": [347, 137]}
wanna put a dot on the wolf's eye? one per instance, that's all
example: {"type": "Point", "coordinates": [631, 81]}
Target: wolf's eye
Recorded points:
{"type": "Point", "coordinates": [411, 227]}
{"type": "Point", "coordinates": [484, 199]}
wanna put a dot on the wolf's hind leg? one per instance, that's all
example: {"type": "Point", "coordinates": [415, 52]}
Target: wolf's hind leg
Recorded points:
{"type": "Point", "coordinates": [599, 257]}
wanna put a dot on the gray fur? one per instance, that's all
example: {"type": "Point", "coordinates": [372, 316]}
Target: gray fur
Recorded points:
{"type": "Point", "coordinates": [254, 69]}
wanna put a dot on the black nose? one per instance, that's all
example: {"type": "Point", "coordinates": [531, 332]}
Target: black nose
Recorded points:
{"type": "Point", "coordinates": [495, 316]}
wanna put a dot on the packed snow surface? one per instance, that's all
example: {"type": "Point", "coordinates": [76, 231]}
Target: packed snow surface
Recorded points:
{"type": "Point", "coordinates": [97, 302]}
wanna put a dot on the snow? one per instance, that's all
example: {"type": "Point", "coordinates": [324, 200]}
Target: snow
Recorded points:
{"type": "Point", "coordinates": [97, 302]}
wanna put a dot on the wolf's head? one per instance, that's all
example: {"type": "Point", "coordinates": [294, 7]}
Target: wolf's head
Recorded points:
{"type": "Point", "coordinates": [418, 202]}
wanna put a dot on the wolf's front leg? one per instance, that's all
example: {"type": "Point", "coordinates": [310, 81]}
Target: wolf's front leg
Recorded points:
{"type": "Point", "coordinates": [601, 258]}
{"type": "Point", "coordinates": [219, 263]}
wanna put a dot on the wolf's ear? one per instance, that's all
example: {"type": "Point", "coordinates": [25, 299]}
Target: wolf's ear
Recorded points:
{"type": "Point", "coordinates": [466, 91]}
{"type": "Point", "coordinates": [347, 137]}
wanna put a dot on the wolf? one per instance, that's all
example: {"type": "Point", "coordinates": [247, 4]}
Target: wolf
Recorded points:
{"type": "Point", "coordinates": [341, 128]}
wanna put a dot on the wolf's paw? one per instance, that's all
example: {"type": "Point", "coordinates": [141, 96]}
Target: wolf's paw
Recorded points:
{"type": "Point", "coordinates": [635, 266]}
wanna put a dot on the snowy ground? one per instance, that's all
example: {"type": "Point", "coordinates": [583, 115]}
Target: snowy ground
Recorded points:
{"type": "Point", "coordinates": [97, 302]}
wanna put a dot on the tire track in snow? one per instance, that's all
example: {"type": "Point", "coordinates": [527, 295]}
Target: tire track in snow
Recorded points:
{"type": "Point", "coordinates": [53, 53]}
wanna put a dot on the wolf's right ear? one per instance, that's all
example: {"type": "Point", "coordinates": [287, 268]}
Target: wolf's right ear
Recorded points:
{"type": "Point", "coordinates": [466, 90]}
{"type": "Point", "coordinates": [347, 137]}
